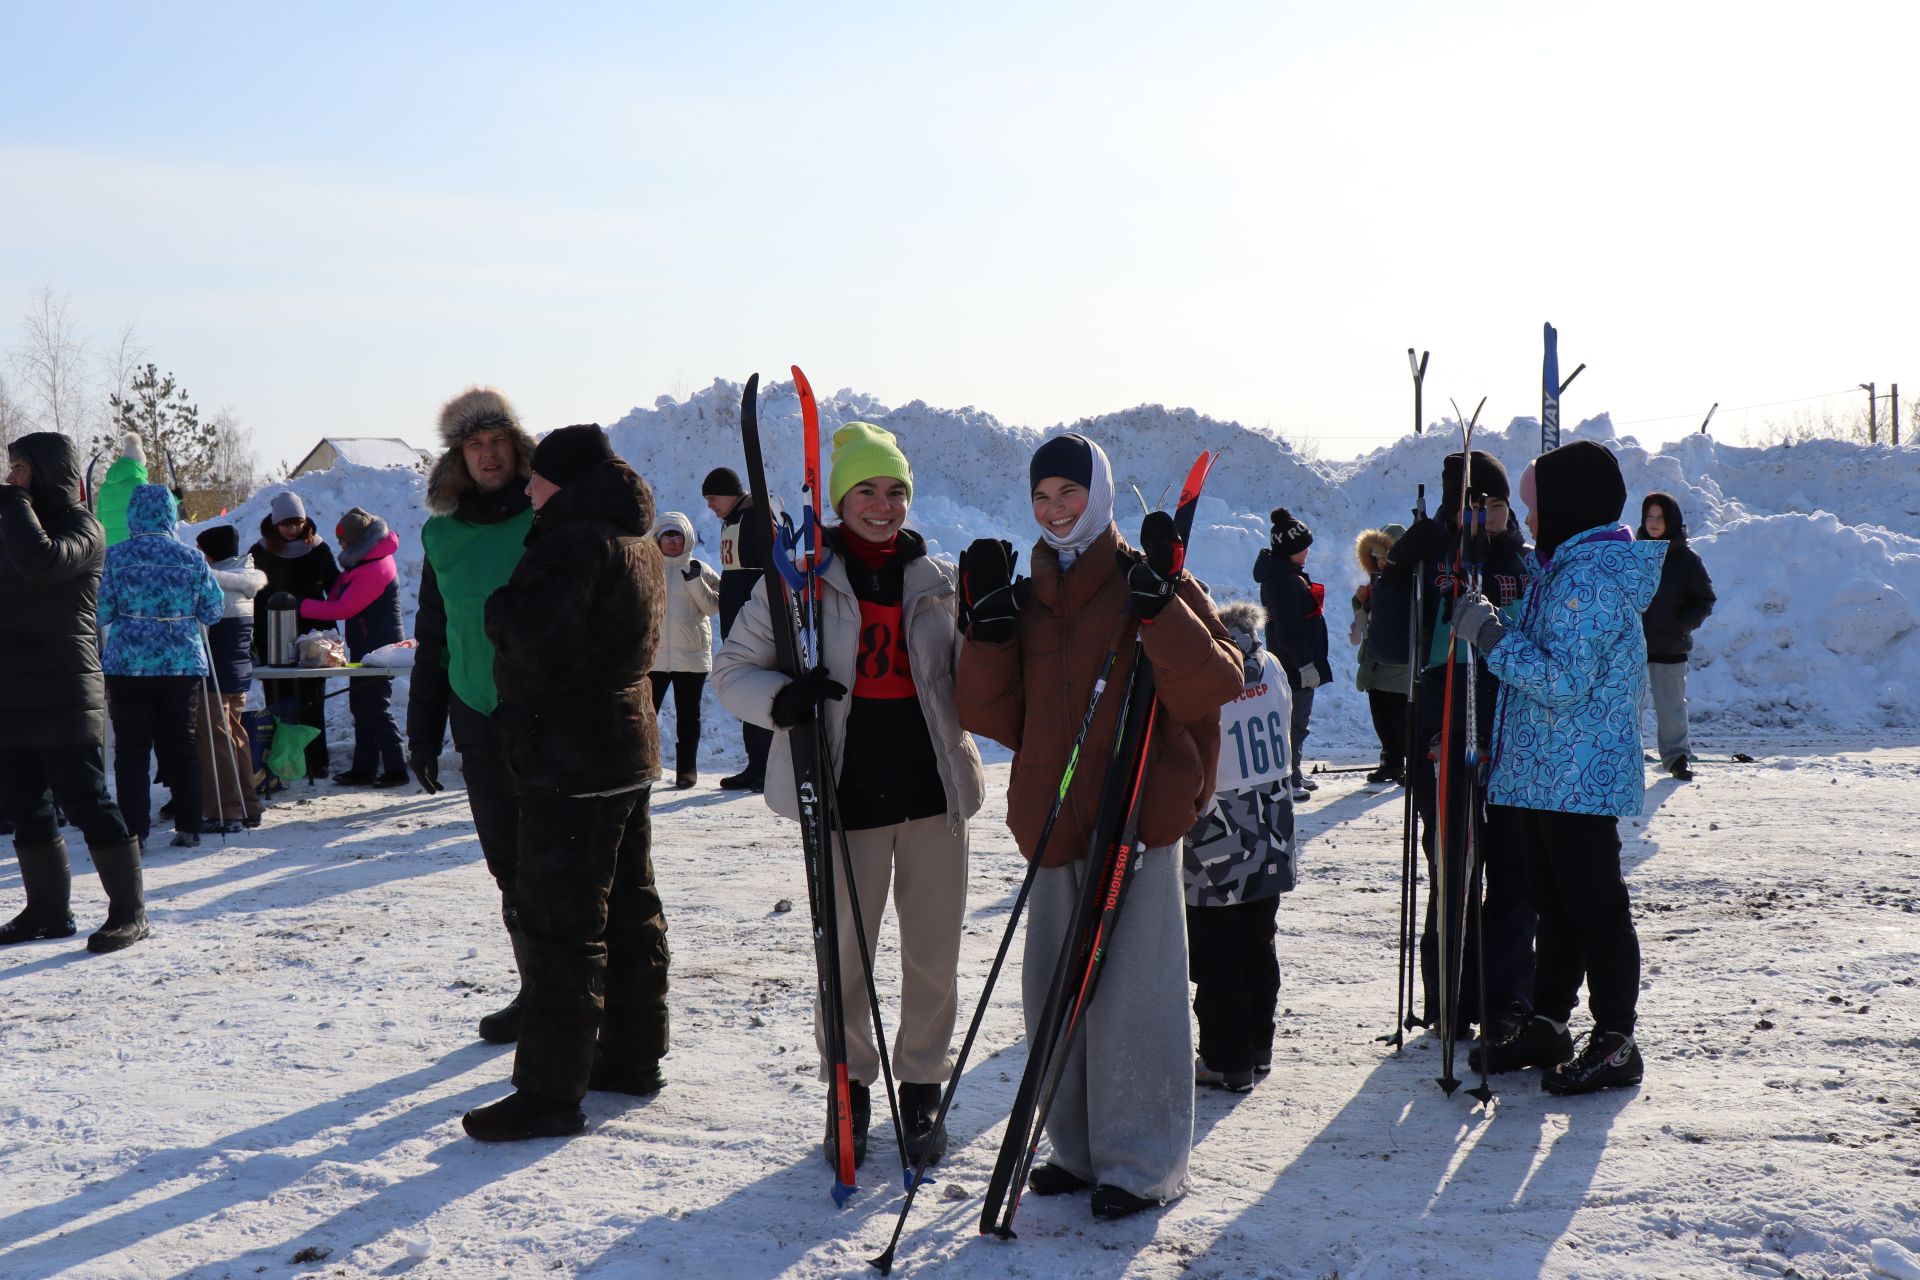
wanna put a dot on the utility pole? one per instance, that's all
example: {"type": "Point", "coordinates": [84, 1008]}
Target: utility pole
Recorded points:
{"type": "Point", "coordinates": [1419, 368]}
{"type": "Point", "coordinates": [1893, 437]}
{"type": "Point", "coordinates": [1703, 430]}
{"type": "Point", "coordinates": [1873, 416]}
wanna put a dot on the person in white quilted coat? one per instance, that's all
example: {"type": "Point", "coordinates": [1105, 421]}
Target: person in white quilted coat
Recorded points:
{"type": "Point", "coordinates": [685, 655]}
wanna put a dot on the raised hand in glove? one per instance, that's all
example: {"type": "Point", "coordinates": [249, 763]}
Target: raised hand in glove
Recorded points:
{"type": "Point", "coordinates": [693, 571]}
{"type": "Point", "coordinates": [796, 702]}
{"type": "Point", "coordinates": [426, 767]}
{"type": "Point", "coordinates": [1476, 621]}
{"type": "Point", "coordinates": [1152, 574]}
{"type": "Point", "coordinates": [989, 601]}
{"type": "Point", "coordinates": [1426, 542]}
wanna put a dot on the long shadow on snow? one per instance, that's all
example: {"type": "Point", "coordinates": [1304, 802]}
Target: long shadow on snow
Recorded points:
{"type": "Point", "coordinates": [1419, 1183]}
{"type": "Point", "coordinates": [746, 1234]}
{"type": "Point", "coordinates": [254, 1168]}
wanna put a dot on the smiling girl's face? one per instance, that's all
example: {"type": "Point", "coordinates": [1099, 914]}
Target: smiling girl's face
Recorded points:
{"type": "Point", "coordinates": [1058, 504]}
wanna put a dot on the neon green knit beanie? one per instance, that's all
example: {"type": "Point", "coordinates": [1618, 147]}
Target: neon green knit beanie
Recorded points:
{"type": "Point", "coordinates": [862, 451]}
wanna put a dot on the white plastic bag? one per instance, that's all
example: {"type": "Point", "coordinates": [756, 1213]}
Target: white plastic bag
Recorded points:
{"type": "Point", "coordinates": [392, 655]}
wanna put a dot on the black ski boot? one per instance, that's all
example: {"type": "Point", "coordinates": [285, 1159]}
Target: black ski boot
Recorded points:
{"type": "Point", "coordinates": [1609, 1061]}
{"type": "Point", "coordinates": [1231, 1081]}
{"type": "Point", "coordinates": [502, 1026]}
{"type": "Point", "coordinates": [119, 868]}
{"type": "Point", "coordinates": [48, 882]}
{"type": "Point", "coordinates": [521, 1115]}
{"type": "Point", "coordinates": [1681, 769]}
{"type": "Point", "coordinates": [919, 1104]}
{"type": "Point", "coordinates": [743, 781]}
{"type": "Point", "coordinates": [1115, 1202]}
{"type": "Point", "coordinates": [862, 1117]}
{"type": "Point", "coordinates": [1537, 1043]}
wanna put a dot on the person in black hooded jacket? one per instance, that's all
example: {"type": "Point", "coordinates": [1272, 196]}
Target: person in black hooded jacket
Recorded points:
{"type": "Point", "coordinates": [1432, 546]}
{"type": "Point", "coordinates": [53, 699]}
{"type": "Point", "coordinates": [574, 632]}
{"type": "Point", "coordinates": [1684, 601]}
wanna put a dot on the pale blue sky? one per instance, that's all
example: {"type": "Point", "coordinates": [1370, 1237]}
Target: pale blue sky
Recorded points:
{"type": "Point", "coordinates": [332, 220]}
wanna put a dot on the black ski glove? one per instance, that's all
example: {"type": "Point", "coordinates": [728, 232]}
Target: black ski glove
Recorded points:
{"type": "Point", "coordinates": [426, 767]}
{"type": "Point", "coordinates": [1151, 574]}
{"type": "Point", "coordinates": [1426, 542]}
{"type": "Point", "coordinates": [693, 570]}
{"type": "Point", "coordinates": [798, 701]}
{"type": "Point", "coordinates": [989, 602]}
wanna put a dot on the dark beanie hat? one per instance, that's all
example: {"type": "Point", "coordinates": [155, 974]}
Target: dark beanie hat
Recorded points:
{"type": "Point", "coordinates": [721, 482]}
{"type": "Point", "coordinates": [565, 455]}
{"type": "Point", "coordinates": [1489, 480]}
{"type": "Point", "coordinates": [1580, 488]}
{"type": "Point", "coordinates": [1290, 533]}
{"type": "Point", "coordinates": [1069, 457]}
{"type": "Point", "coordinates": [221, 542]}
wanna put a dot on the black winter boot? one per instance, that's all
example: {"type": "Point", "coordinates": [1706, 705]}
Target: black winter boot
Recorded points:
{"type": "Point", "coordinates": [862, 1117]}
{"type": "Point", "coordinates": [919, 1104]}
{"type": "Point", "coordinates": [1610, 1060]}
{"type": "Point", "coordinates": [48, 882]}
{"type": "Point", "coordinates": [1052, 1180]}
{"type": "Point", "coordinates": [1537, 1043]}
{"type": "Point", "coordinates": [119, 868]}
{"type": "Point", "coordinates": [521, 1115]}
{"type": "Point", "coordinates": [502, 1026]}
{"type": "Point", "coordinates": [639, 1079]}
{"type": "Point", "coordinates": [1116, 1202]}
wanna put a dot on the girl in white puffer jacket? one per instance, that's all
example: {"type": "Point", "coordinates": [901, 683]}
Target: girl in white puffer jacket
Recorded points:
{"type": "Point", "coordinates": [685, 655]}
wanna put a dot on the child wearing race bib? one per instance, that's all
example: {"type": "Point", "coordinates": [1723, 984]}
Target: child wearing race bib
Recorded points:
{"type": "Point", "coordinates": [1239, 859]}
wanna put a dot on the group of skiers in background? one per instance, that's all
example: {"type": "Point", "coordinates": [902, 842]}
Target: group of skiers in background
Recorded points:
{"type": "Point", "coordinates": [557, 608]}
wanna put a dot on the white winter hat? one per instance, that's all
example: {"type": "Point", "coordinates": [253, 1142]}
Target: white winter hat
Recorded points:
{"type": "Point", "coordinates": [130, 447]}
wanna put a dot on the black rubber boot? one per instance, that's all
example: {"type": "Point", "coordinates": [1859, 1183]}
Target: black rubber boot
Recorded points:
{"type": "Point", "coordinates": [48, 882]}
{"type": "Point", "coordinates": [638, 1080]}
{"type": "Point", "coordinates": [119, 868]}
{"type": "Point", "coordinates": [522, 1115]}
{"type": "Point", "coordinates": [1117, 1202]}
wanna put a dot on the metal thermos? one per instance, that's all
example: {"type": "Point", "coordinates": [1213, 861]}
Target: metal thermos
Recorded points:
{"type": "Point", "coordinates": [283, 629]}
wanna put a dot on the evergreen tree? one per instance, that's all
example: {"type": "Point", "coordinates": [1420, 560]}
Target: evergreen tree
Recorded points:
{"type": "Point", "coordinates": [178, 441]}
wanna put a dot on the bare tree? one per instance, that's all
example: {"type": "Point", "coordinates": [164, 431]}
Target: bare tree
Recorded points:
{"type": "Point", "coordinates": [14, 420]}
{"type": "Point", "coordinates": [51, 362]}
{"type": "Point", "coordinates": [119, 365]}
{"type": "Point", "coordinates": [234, 467]}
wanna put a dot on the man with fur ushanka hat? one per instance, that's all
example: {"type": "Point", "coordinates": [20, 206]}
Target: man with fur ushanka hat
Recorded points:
{"type": "Point", "coordinates": [481, 515]}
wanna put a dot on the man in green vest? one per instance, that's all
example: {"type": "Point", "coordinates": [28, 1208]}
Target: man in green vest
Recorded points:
{"type": "Point", "coordinates": [128, 472]}
{"type": "Point", "coordinates": [473, 540]}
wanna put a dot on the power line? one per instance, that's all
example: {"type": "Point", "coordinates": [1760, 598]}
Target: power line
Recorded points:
{"type": "Point", "coordinates": [1678, 417]}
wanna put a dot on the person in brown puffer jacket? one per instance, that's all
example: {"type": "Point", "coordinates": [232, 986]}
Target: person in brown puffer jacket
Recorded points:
{"type": "Point", "coordinates": [574, 631]}
{"type": "Point", "coordinates": [1026, 675]}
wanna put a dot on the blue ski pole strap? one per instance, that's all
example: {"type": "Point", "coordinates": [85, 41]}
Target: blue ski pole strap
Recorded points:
{"type": "Point", "coordinates": [803, 553]}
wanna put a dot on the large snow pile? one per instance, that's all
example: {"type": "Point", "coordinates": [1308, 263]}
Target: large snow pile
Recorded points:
{"type": "Point", "coordinates": [1814, 549]}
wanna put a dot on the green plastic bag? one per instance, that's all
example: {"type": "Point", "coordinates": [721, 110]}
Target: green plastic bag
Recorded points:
{"type": "Point", "coordinates": [287, 757]}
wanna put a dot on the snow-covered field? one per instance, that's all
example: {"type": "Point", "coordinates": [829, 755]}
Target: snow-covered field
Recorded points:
{"type": "Point", "coordinates": [272, 1085]}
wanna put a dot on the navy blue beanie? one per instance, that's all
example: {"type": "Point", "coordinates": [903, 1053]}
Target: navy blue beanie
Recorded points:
{"type": "Point", "coordinates": [1070, 457]}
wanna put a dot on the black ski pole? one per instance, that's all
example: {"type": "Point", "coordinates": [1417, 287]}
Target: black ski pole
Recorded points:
{"type": "Point", "coordinates": [1404, 1019]}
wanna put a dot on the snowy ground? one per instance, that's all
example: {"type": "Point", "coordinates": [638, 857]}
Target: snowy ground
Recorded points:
{"type": "Point", "coordinates": [279, 1073]}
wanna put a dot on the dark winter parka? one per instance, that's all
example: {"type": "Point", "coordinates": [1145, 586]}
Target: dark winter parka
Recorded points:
{"type": "Point", "coordinates": [303, 568]}
{"type": "Point", "coordinates": [574, 632]}
{"type": "Point", "coordinates": [1685, 598]}
{"type": "Point", "coordinates": [1503, 581]}
{"type": "Point", "coordinates": [1296, 608]}
{"type": "Point", "coordinates": [51, 552]}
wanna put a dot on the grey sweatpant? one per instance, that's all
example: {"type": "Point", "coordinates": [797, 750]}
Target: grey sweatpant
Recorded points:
{"type": "Point", "coordinates": [1126, 1120]}
{"type": "Point", "coordinates": [1667, 686]}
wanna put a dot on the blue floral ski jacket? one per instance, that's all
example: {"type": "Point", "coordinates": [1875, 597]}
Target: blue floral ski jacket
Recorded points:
{"type": "Point", "coordinates": [155, 593]}
{"type": "Point", "coordinates": [1567, 728]}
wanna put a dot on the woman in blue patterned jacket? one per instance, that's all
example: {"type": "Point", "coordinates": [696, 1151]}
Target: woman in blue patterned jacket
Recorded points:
{"type": "Point", "coordinates": [1566, 760]}
{"type": "Point", "coordinates": [155, 594]}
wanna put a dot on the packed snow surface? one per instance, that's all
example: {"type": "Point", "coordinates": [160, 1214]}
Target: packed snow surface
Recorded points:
{"type": "Point", "coordinates": [272, 1084]}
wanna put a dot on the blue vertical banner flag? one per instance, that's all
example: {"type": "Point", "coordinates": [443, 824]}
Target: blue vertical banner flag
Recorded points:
{"type": "Point", "coordinates": [1550, 391]}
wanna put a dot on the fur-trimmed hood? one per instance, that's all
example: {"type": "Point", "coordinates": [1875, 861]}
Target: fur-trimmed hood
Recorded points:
{"type": "Point", "coordinates": [1375, 541]}
{"type": "Point", "coordinates": [473, 410]}
{"type": "Point", "coordinates": [1246, 623]}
